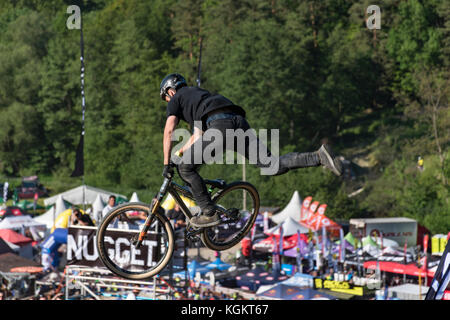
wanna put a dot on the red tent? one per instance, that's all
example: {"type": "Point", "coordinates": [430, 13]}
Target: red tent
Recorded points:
{"type": "Point", "coordinates": [14, 237]}
{"type": "Point", "coordinates": [395, 267]}
{"type": "Point", "coordinates": [289, 242]}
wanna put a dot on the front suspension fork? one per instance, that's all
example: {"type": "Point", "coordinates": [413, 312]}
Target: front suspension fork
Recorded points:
{"type": "Point", "coordinates": [151, 216]}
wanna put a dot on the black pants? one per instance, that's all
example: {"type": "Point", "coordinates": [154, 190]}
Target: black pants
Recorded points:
{"type": "Point", "coordinates": [250, 147]}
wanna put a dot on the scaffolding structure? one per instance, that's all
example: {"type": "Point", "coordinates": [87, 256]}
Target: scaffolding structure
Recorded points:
{"type": "Point", "coordinates": [95, 283]}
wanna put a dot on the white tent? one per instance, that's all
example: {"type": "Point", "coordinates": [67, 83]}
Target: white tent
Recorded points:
{"type": "Point", "coordinates": [97, 208]}
{"type": "Point", "coordinates": [387, 243]}
{"type": "Point", "coordinates": [88, 193]}
{"type": "Point", "coordinates": [290, 227]}
{"type": "Point", "coordinates": [134, 197]}
{"type": "Point", "coordinates": [20, 222]}
{"type": "Point", "coordinates": [291, 210]}
{"type": "Point", "coordinates": [49, 217]}
{"type": "Point", "coordinates": [61, 205]}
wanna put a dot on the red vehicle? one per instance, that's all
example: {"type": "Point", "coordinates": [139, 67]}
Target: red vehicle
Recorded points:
{"type": "Point", "coordinates": [30, 186]}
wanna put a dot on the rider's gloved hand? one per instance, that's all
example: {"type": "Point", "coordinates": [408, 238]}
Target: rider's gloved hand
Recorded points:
{"type": "Point", "coordinates": [168, 171]}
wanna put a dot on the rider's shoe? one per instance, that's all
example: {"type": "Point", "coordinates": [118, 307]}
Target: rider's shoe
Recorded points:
{"type": "Point", "coordinates": [208, 218]}
{"type": "Point", "coordinates": [328, 160]}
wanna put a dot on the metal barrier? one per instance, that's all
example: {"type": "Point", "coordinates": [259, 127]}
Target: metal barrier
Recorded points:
{"type": "Point", "coordinates": [92, 280]}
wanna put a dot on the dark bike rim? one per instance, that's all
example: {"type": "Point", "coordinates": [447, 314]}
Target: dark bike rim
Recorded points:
{"type": "Point", "coordinates": [210, 235]}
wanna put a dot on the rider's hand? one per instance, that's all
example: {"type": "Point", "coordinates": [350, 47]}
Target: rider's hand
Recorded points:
{"type": "Point", "coordinates": [168, 171]}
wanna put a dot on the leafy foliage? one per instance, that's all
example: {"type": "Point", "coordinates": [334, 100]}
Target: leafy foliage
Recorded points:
{"type": "Point", "coordinates": [311, 69]}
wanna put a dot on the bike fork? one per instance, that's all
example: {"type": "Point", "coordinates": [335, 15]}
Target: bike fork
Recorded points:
{"type": "Point", "coordinates": [147, 224]}
{"type": "Point", "coordinates": [151, 216]}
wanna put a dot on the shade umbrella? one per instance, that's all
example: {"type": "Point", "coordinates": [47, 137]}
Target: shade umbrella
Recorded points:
{"type": "Point", "coordinates": [218, 264]}
{"type": "Point", "coordinates": [287, 292]}
{"type": "Point", "coordinates": [256, 277]}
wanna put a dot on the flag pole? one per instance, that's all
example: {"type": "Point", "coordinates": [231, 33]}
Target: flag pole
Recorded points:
{"type": "Point", "coordinates": [83, 104]}
{"type": "Point", "coordinates": [79, 160]}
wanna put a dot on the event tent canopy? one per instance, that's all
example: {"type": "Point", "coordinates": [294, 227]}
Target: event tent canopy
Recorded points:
{"type": "Point", "coordinates": [291, 210]}
{"type": "Point", "coordinates": [286, 292]}
{"type": "Point", "coordinates": [49, 218]}
{"type": "Point", "coordinates": [14, 237]}
{"type": "Point", "coordinates": [29, 205]}
{"type": "Point", "coordinates": [395, 267]}
{"type": "Point", "coordinates": [75, 195]}
{"type": "Point", "coordinates": [134, 197]}
{"type": "Point", "coordinates": [20, 222]}
{"type": "Point", "coordinates": [97, 208]}
{"type": "Point", "coordinates": [290, 227]}
{"type": "Point", "coordinates": [257, 277]}
{"type": "Point", "coordinates": [5, 247]}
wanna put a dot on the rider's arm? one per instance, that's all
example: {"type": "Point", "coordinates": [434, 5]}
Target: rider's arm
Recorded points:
{"type": "Point", "coordinates": [171, 123]}
{"type": "Point", "coordinates": [197, 134]}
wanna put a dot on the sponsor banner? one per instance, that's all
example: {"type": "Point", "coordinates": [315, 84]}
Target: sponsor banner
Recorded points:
{"type": "Point", "coordinates": [305, 206]}
{"type": "Point", "coordinates": [338, 286]}
{"type": "Point", "coordinates": [82, 249]}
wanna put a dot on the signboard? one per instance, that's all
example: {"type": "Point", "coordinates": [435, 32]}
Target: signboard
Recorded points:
{"type": "Point", "coordinates": [82, 249]}
{"type": "Point", "coordinates": [397, 229]}
{"type": "Point", "coordinates": [338, 286]}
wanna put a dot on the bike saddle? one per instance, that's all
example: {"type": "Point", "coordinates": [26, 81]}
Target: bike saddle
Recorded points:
{"type": "Point", "coordinates": [217, 183]}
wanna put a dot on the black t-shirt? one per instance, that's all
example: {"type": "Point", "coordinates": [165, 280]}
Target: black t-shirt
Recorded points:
{"type": "Point", "coordinates": [86, 219]}
{"type": "Point", "coordinates": [193, 104]}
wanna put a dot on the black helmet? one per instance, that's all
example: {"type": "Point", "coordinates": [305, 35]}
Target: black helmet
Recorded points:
{"type": "Point", "coordinates": [174, 81]}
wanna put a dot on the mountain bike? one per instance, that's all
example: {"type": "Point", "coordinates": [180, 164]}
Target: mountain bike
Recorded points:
{"type": "Point", "coordinates": [137, 250]}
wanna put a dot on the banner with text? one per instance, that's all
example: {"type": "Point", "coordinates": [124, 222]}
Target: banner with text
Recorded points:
{"type": "Point", "coordinates": [82, 249]}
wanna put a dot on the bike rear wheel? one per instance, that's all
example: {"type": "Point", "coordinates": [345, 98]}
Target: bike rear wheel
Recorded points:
{"type": "Point", "coordinates": [119, 230]}
{"type": "Point", "coordinates": [241, 202]}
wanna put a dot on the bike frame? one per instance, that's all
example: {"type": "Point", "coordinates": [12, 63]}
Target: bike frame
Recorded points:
{"type": "Point", "coordinates": [173, 189]}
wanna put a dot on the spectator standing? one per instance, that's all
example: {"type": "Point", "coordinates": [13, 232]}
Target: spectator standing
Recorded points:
{"type": "Point", "coordinates": [111, 204]}
{"type": "Point", "coordinates": [177, 215]}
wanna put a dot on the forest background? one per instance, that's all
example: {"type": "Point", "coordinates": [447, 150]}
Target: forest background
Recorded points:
{"type": "Point", "coordinates": [312, 69]}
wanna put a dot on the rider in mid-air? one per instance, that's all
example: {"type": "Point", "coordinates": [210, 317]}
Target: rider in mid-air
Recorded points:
{"type": "Point", "coordinates": [203, 111]}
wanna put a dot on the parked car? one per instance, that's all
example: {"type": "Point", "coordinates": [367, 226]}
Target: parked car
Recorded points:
{"type": "Point", "coordinates": [29, 187]}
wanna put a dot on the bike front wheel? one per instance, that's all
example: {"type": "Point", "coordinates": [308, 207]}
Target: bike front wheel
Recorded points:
{"type": "Point", "coordinates": [116, 237]}
{"type": "Point", "coordinates": [240, 201]}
